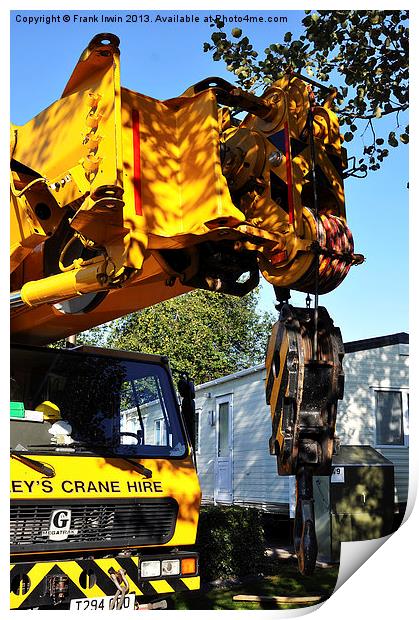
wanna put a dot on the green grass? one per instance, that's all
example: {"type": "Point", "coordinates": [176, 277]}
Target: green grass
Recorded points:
{"type": "Point", "coordinates": [286, 582]}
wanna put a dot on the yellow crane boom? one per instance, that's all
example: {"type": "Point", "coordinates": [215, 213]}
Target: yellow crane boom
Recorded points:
{"type": "Point", "coordinates": [120, 201]}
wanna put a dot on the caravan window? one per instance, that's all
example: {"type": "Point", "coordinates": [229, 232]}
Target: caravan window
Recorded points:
{"type": "Point", "coordinates": [391, 417]}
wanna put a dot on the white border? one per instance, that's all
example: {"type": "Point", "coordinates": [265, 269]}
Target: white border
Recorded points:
{"type": "Point", "coordinates": [386, 585]}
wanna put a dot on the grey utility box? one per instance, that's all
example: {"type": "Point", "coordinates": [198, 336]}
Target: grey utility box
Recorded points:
{"type": "Point", "coordinates": [356, 502]}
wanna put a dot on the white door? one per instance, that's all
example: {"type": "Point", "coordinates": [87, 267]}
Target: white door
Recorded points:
{"type": "Point", "coordinates": [223, 491]}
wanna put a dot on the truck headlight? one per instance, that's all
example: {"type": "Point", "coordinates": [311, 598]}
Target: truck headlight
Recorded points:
{"type": "Point", "coordinates": [170, 567]}
{"type": "Point", "coordinates": [150, 568]}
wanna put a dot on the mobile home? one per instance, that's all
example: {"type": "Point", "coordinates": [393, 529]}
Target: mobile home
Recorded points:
{"type": "Point", "coordinates": [234, 425]}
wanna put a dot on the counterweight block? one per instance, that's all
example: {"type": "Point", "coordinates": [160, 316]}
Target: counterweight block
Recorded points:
{"type": "Point", "coordinates": [304, 381]}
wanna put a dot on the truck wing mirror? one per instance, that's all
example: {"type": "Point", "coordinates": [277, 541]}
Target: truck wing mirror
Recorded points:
{"type": "Point", "coordinates": [186, 389]}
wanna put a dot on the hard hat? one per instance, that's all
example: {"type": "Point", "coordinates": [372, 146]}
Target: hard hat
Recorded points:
{"type": "Point", "coordinates": [51, 411]}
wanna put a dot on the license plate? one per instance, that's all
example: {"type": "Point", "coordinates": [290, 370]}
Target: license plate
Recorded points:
{"type": "Point", "coordinates": [101, 603]}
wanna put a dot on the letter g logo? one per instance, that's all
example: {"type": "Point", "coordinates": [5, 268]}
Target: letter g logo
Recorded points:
{"type": "Point", "coordinates": [59, 527]}
{"type": "Point", "coordinates": [61, 519]}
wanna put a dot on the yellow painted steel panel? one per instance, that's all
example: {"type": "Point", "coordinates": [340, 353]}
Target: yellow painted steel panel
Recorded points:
{"type": "Point", "coordinates": [113, 478]}
{"type": "Point", "coordinates": [182, 185]}
{"type": "Point", "coordinates": [106, 563]}
{"type": "Point", "coordinates": [161, 586]}
{"type": "Point", "coordinates": [192, 583]}
{"type": "Point", "coordinates": [73, 571]}
{"type": "Point", "coordinates": [36, 575]}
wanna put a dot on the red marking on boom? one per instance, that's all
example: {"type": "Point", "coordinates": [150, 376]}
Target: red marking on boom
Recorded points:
{"type": "Point", "coordinates": [137, 161]}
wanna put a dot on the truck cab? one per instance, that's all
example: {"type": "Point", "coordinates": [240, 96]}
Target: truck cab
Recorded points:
{"type": "Point", "coordinates": [104, 493]}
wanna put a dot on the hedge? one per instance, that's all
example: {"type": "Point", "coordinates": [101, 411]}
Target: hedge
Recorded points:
{"type": "Point", "coordinates": [230, 542]}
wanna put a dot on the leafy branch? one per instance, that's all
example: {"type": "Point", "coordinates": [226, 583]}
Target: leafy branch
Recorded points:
{"type": "Point", "coordinates": [364, 52]}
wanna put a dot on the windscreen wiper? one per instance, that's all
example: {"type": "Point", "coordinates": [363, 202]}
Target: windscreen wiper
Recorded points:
{"type": "Point", "coordinates": [147, 473]}
{"type": "Point", "coordinates": [46, 470]}
{"type": "Point", "coordinates": [100, 449]}
{"type": "Point", "coordinates": [104, 451]}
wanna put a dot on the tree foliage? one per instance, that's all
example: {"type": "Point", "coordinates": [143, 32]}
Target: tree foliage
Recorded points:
{"type": "Point", "coordinates": [204, 334]}
{"type": "Point", "coordinates": [364, 54]}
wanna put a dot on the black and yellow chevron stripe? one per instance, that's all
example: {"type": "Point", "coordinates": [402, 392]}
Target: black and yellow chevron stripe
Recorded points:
{"type": "Point", "coordinates": [35, 593]}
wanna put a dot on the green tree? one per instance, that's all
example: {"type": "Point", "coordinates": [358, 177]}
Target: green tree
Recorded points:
{"type": "Point", "coordinates": [204, 334]}
{"type": "Point", "coordinates": [362, 53]}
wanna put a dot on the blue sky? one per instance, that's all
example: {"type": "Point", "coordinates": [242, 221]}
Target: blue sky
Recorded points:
{"type": "Point", "coordinates": [162, 60]}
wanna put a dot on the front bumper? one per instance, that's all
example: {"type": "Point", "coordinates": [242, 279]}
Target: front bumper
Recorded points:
{"type": "Point", "coordinates": [31, 583]}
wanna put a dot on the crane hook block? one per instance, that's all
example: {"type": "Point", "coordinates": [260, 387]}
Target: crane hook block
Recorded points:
{"type": "Point", "coordinates": [304, 381]}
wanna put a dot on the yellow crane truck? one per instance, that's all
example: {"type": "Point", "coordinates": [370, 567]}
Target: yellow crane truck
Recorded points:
{"type": "Point", "coordinates": [120, 201]}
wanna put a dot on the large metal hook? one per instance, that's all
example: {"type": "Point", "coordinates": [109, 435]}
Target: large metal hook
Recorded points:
{"type": "Point", "coordinates": [305, 540]}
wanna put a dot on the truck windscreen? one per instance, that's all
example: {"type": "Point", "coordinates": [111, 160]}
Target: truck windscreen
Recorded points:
{"type": "Point", "coordinates": [75, 402]}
